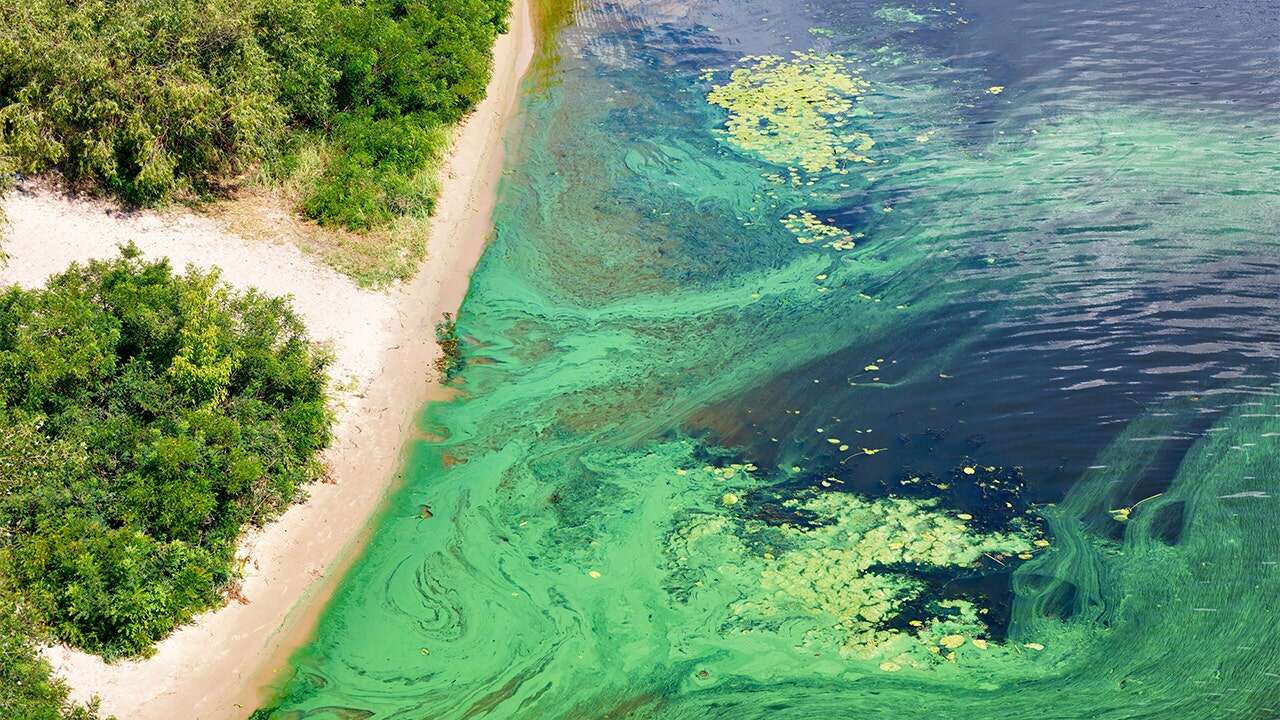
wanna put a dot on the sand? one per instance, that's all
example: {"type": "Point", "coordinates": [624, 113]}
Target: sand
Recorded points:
{"type": "Point", "coordinates": [48, 230]}
{"type": "Point", "coordinates": [220, 666]}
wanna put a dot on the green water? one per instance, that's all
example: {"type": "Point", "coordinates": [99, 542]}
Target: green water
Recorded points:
{"type": "Point", "coordinates": [685, 479]}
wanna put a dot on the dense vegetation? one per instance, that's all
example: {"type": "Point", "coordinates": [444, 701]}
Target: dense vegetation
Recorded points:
{"type": "Point", "coordinates": [145, 419]}
{"type": "Point", "coordinates": [149, 99]}
{"type": "Point", "coordinates": [28, 690]}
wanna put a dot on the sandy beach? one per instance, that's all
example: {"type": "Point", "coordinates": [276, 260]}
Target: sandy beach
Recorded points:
{"type": "Point", "coordinates": [220, 666]}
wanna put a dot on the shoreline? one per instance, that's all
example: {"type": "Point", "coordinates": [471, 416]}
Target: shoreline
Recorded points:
{"type": "Point", "coordinates": [221, 665]}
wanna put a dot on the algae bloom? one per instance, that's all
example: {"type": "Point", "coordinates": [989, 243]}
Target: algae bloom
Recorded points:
{"type": "Point", "coordinates": [901, 15]}
{"type": "Point", "coordinates": [843, 582]}
{"type": "Point", "coordinates": [796, 112]}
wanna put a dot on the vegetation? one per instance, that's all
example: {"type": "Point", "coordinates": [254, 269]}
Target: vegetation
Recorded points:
{"type": "Point", "coordinates": [145, 419]}
{"type": "Point", "coordinates": [28, 690]}
{"type": "Point", "coordinates": [449, 362]}
{"type": "Point", "coordinates": [152, 99]}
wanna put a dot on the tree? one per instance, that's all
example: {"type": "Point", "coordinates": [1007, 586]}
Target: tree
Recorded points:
{"type": "Point", "coordinates": [145, 419]}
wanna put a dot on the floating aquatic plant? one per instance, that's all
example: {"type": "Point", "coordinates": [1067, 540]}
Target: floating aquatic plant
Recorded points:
{"type": "Point", "coordinates": [838, 579]}
{"type": "Point", "coordinates": [796, 111]}
{"type": "Point", "coordinates": [902, 15]}
{"type": "Point", "coordinates": [584, 360]}
{"type": "Point", "coordinates": [809, 228]}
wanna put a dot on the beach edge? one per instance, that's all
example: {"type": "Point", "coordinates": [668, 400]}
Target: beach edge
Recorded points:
{"type": "Point", "coordinates": [222, 664]}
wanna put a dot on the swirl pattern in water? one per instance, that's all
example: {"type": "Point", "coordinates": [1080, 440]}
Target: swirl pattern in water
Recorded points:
{"type": "Point", "coordinates": [844, 359]}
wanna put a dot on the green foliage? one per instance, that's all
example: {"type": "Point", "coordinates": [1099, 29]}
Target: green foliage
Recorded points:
{"type": "Point", "coordinates": [403, 57]}
{"type": "Point", "coordinates": [28, 690]}
{"type": "Point", "coordinates": [377, 172]}
{"type": "Point", "coordinates": [146, 98]}
{"type": "Point", "coordinates": [145, 419]}
{"type": "Point", "coordinates": [407, 70]}
{"type": "Point", "coordinates": [151, 98]}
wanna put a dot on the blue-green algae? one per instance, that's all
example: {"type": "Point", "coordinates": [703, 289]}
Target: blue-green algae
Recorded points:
{"type": "Point", "coordinates": [592, 553]}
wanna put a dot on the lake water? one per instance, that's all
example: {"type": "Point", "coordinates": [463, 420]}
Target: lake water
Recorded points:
{"type": "Point", "coordinates": [842, 359]}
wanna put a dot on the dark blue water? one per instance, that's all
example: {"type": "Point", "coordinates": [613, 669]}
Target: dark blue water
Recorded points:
{"type": "Point", "coordinates": [1096, 337]}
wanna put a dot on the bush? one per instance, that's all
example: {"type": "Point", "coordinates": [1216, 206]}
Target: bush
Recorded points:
{"type": "Point", "coordinates": [145, 419]}
{"type": "Point", "coordinates": [28, 690]}
{"type": "Point", "coordinates": [408, 57]}
{"type": "Point", "coordinates": [151, 98]}
{"type": "Point", "coordinates": [406, 71]}
{"type": "Point", "coordinates": [377, 173]}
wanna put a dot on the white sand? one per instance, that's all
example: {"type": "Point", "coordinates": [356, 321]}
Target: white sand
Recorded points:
{"type": "Point", "coordinates": [47, 231]}
{"type": "Point", "coordinates": [218, 667]}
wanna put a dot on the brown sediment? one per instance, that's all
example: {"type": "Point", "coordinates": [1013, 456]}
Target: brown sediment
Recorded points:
{"type": "Point", "coordinates": [548, 18]}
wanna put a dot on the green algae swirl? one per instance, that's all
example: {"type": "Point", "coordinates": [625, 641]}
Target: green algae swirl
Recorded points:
{"type": "Point", "coordinates": [589, 556]}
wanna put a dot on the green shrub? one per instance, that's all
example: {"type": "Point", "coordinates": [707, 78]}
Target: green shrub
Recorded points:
{"type": "Point", "coordinates": [144, 98]}
{"type": "Point", "coordinates": [145, 419]}
{"type": "Point", "coordinates": [407, 70]}
{"type": "Point", "coordinates": [28, 690]}
{"type": "Point", "coordinates": [151, 98]}
{"type": "Point", "coordinates": [413, 57]}
{"type": "Point", "coordinates": [376, 172]}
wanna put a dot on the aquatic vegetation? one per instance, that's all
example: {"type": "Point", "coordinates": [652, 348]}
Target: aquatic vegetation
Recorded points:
{"type": "Point", "coordinates": [809, 228]}
{"type": "Point", "coordinates": [649, 321]}
{"type": "Point", "coordinates": [549, 18]}
{"type": "Point", "coordinates": [903, 15]}
{"type": "Point", "coordinates": [839, 580]}
{"type": "Point", "coordinates": [449, 363]}
{"type": "Point", "coordinates": [796, 111]}
{"type": "Point", "coordinates": [555, 473]}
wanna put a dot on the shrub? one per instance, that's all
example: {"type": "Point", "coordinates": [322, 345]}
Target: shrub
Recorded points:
{"type": "Point", "coordinates": [407, 70]}
{"type": "Point", "coordinates": [151, 98]}
{"type": "Point", "coordinates": [449, 363]}
{"type": "Point", "coordinates": [28, 690]}
{"type": "Point", "coordinates": [376, 173]}
{"type": "Point", "coordinates": [145, 419]}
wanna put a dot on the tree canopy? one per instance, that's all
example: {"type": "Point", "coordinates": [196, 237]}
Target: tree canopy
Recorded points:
{"type": "Point", "coordinates": [146, 418]}
{"type": "Point", "coordinates": [148, 99]}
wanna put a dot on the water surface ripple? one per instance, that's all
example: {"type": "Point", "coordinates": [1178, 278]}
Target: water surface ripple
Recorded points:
{"type": "Point", "coordinates": [844, 359]}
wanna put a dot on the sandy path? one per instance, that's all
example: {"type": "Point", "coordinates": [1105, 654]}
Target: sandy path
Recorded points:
{"type": "Point", "coordinates": [217, 668]}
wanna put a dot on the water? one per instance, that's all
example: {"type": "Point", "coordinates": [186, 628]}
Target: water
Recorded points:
{"type": "Point", "coordinates": [949, 391]}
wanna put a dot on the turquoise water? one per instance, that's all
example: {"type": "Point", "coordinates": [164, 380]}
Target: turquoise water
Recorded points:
{"type": "Point", "coordinates": [851, 360]}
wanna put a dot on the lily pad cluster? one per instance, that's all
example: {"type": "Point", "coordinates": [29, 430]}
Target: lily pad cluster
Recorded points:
{"type": "Point", "coordinates": [796, 112]}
